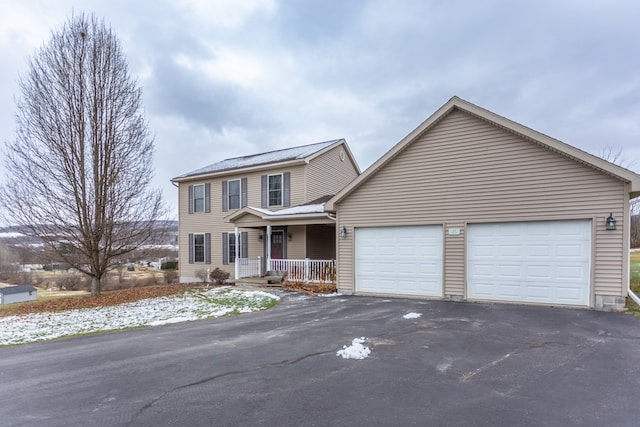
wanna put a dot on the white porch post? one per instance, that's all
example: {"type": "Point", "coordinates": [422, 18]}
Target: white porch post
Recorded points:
{"type": "Point", "coordinates": [268, 247]}
{"type": "Point", "coordinates": [237, 248]}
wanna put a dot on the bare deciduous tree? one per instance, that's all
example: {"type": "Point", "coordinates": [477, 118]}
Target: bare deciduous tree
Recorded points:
{"type": "Point", "coordinates": [79, 170]}
{"type": "Point", "coordinates": [617, 157]}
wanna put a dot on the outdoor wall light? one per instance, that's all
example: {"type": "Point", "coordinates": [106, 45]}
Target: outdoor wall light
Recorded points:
{"type": "Point", "coordinates": [289, 237]}
{"type": "Point", "coordinates": [343, 232]}
{"type": "Point", "coordinates": [260, 237]}
{"type": "Point", "coordinates": [611, 222]}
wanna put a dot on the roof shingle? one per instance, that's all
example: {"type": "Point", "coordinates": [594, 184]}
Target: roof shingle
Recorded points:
{"type": "Point", "coordinates": [277, 156]}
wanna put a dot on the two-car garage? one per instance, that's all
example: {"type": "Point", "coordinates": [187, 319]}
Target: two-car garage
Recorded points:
{"type": "Point", "coordinates": [473, 206]}
{"type": "Point", "coordinates": [544, 262]}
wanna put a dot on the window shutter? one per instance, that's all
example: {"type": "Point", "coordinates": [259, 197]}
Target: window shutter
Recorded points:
{"type": "Point", "coordinates": [264, 189]}
{"type": "Point", "coordinates": [190, 247]}
{"type": "Point", "coordinates": [243, 187]}
{"type": "Point", "coordinates": [191, 199]}
{"type": "Point", "coordinates": [225, 197]}
{"type": "Point", "coordinates": [207, 248]}
{"type": "Point", "coordinates": [286, 193]}
{"type": "Point", "coordinates": [207, 197]}
{"type": "Point", "coordinates": [225, 248]}
{"type": "Point", "coordinates": [245, 243]}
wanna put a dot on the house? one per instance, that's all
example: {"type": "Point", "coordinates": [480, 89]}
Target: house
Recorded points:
{"type": "Point", "coordinates": [20, 293]}
{"type": "Point", "coordinates": [264, 212]}
{"type": "Point", "coordinates": [473, 206]}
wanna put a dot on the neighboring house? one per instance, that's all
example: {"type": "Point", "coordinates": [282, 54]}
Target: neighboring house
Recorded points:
{"type": "Point", "coordinates": [473, 206]}
{"type": "Point", "coordinates": [21, 293]}
{"type": "Point", "coordinates": [265, 212]}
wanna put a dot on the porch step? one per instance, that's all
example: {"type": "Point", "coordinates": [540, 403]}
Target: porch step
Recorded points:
{"type": "Point", "coordinates": [265, 281]}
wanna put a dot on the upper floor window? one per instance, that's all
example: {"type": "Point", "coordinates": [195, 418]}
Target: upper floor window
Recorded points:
{"type": "Point", "coordinates": [275, 190]}
{"type": "Point", "coordinates": [234, 194]}
{"type": "Point", "coordinates": [198, 198]}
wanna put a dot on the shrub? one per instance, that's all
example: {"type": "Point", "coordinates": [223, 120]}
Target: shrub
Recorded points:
{"type": "Point", "coordinates": [147, 281]}
{"type": "Point", "coordinates": [201, 274]}
{"type": "Point", "coordinates": [169, 265]}
{"type": "Point", "coordinates": [130, 267]}
{"type": "Point", "coordinates": [170, 277]}
{"type": "Point", "coordinates": [74, 282]}
{"type": "Point", "coordinates": [218, 276]}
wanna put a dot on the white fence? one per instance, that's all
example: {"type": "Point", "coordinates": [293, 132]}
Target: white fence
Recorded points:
{"type": "Point", "coordinates": [306, 270]}
{"type": "Point", "coordinates": [248, 267]}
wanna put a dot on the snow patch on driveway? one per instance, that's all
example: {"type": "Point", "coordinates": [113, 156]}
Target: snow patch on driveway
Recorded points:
{"type": "Point", "coordinates": [412, 315]}
{"type": "Point", "coordinates": [355, 351]}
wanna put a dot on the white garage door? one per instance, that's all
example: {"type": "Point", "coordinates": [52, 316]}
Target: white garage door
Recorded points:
{"type": "Point", "coordinates": [545, 262]}
{"type": "Point", "coordinates": [399, 260]}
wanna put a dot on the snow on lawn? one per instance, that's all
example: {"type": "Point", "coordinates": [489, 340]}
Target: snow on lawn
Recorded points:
{"type": "Point", "coordinates": [355, 351]}
{"type": "Point", "coordinates": [412, 315]}
{"type": "Point", "coordinates": [192, 305]}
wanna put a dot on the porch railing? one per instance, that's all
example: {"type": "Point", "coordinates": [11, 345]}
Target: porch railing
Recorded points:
{"type": "Point", "coordinates": [248, 267]}
{"type": "Point", "coordinates": [306, 270]}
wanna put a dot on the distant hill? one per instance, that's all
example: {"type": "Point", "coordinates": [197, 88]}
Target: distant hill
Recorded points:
{"type": "Point", "coordinates": [17, 235]}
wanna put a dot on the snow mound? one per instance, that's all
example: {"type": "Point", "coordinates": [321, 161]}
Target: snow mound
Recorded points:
{"type": "Point", "coordinates": [355, 351]}
{"type": "Point", "coordinates": [412, 315]}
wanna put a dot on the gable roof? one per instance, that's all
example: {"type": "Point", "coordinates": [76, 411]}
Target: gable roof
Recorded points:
{"type": "Point", "coordinates": [17, 289]}
{"type": "Point", "coordinates": [299, 154]}
{"type": "Point", "coordinates": [456, 103]}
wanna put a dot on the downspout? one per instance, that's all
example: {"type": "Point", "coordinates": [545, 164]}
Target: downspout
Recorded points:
{"type": "Point", "coordinates": [633, 296]}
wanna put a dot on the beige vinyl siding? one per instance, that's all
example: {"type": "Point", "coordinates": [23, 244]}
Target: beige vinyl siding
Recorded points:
{"type": "Point", "coordinates": [466, 170]}
{"type": "Point", "coordinates": [213, 222]}
{"type": "Point", "coordinates": [454, 255]}
{"type": "Point", "coordinates": [296, 246]}
{"type": "Point", "coordinates": [327, 174]}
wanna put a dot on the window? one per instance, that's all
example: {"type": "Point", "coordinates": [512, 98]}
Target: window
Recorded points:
{"type": "Point", "coordinates": [198, 198]}
{"type": "Point", "coordinates": [275, 190]}
{"type": "Point", "coordinates": [229, 246]}
{"type": "Point", "coordinates": [234, 194]}
{"type": "Point", "coordinates": [232, 248]}
{"type": "Point", "coordinates": [198, 247]}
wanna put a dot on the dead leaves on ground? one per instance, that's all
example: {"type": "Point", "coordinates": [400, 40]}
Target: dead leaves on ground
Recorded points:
{"type": "Point", "coordinates": [106, 299]}
{"type": "Point", "coordinates": [309, 288]}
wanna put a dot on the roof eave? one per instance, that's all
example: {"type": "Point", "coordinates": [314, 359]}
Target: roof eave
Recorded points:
{"type": "Point", "coordinates": [236, 171]}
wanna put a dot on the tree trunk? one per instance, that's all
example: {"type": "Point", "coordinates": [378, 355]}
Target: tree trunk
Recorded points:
{"type": "Point", "coordinates": [95, 286]}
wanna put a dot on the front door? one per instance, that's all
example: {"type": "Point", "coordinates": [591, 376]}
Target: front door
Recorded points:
{"type": "Point", "coordinates": [277, 244]}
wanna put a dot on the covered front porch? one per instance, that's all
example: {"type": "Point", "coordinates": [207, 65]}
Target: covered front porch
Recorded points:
{"type": "Point", "coordinates": [295, 244]}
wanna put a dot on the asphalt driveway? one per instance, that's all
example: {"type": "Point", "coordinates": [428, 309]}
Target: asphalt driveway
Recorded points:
{"type": "Point", "coordinates": [457, 364]}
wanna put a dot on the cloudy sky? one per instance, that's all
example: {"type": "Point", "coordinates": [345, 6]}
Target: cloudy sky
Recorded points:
{"type": "Point", "coordinates": [225, 78]}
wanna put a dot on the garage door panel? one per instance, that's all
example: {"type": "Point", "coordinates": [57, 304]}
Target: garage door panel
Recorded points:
{"type": "Point", "coordinates": [542, 262]}
{"type": "Point", "coordinates": [399, 260]}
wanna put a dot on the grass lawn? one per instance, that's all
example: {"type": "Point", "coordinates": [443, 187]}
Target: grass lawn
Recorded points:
{"type": "Point", "coordinates": [125, 309]}
{"type": "Point", "coordinates": [57, 301]}
{"type": "Point", "coordinates": [634, 279]}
